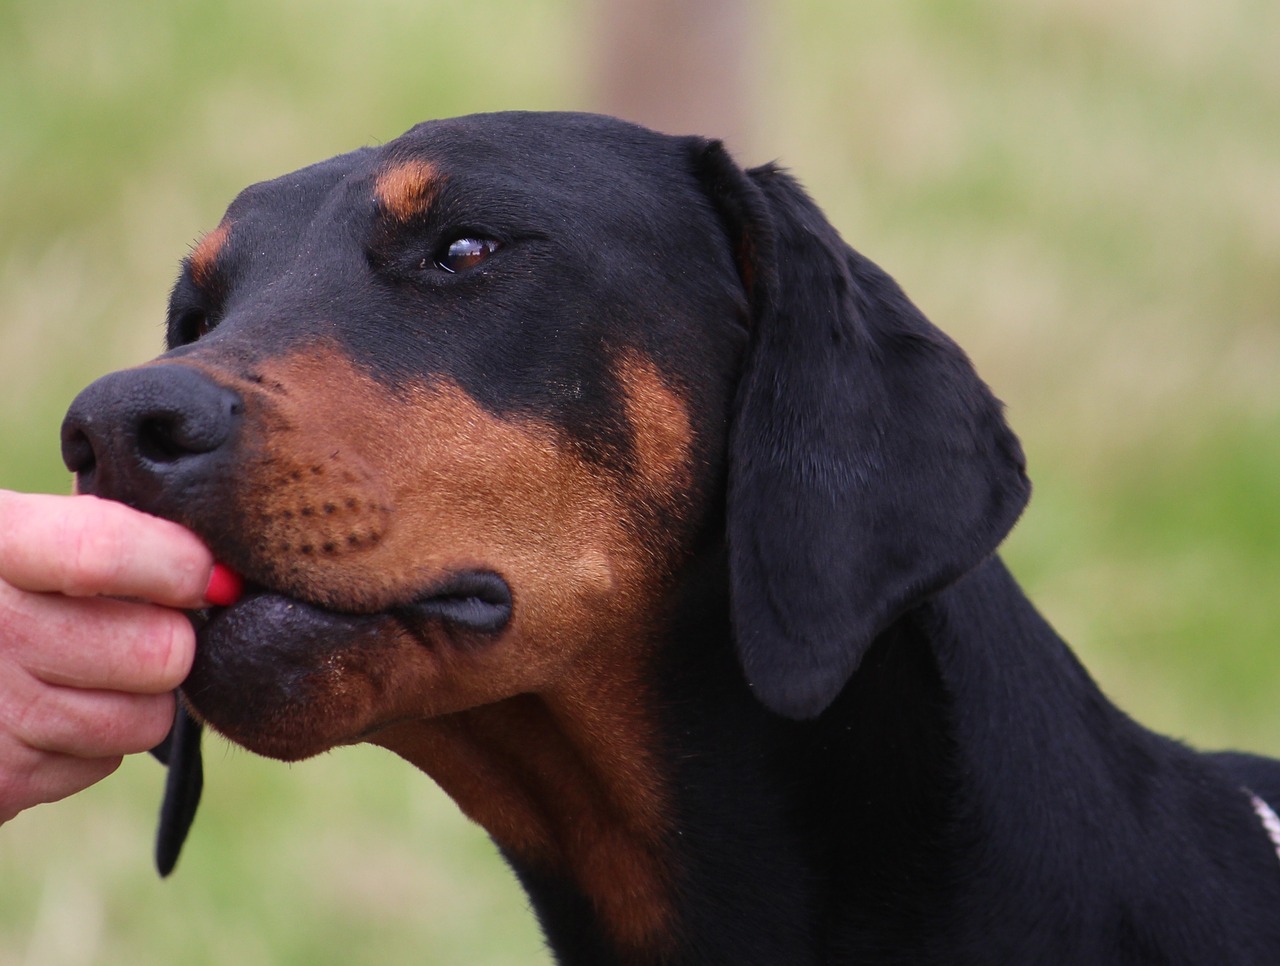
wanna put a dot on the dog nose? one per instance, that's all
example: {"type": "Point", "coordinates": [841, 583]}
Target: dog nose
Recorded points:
{"type": "Point", "coordinates": [140, 434]}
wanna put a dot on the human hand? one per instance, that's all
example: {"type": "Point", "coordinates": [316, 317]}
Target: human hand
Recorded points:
{"type": "Point", "coordinates": [86, 676]}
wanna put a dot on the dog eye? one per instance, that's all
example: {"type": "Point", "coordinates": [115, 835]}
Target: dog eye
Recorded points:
{"type": "Point", "coordinates": [465, 253]}
{"type": "Point", "coordinates": [195, 324]}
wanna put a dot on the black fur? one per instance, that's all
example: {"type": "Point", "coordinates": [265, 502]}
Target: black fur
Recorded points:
{"type": "Point", "coordinates": [868, 466]}
{"type": "Point", "coordinates": [877, 751]}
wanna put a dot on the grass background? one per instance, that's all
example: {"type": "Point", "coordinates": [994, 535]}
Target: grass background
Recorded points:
{"type": "Point", "coordinates": [1085, 193]}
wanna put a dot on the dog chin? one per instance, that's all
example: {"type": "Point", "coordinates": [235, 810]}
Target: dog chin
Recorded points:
{"type": "Point", "coordinates": [287, 679]}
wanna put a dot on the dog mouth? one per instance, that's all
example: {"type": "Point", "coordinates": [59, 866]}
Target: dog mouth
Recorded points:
{"type": "Point", "coordinates": [289, 678]}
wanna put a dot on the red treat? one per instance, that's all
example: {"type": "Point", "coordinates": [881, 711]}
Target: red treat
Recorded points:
{"type": "Point", "coordinates": [225, 586]}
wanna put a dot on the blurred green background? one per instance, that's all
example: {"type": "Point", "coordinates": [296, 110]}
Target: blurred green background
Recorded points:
{"type": "Point", "coordinates": [1085, 193]}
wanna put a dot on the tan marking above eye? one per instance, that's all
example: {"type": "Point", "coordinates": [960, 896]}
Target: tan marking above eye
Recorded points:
{"type": "Point", "coordinates": [407, 189]}
{"type": "Point", "coordinates": [204, 256]}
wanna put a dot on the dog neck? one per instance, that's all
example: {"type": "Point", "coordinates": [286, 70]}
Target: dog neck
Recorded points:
{"type": "Point", "coordinates": [657, 813]}
{"type": "Point", "coordinates": [566, 784]}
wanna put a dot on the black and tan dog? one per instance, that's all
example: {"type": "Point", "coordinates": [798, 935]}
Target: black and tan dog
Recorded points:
{"type": "Point", "coordinates": [602, 481]}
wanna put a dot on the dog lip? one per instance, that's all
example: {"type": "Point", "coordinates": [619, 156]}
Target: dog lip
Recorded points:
{"type": "Point", "coordinates": [475, 600]}
{"type": "Point", "coordinates": [265, 664]}
{"type": "Point", "coordinates": [260, 611]}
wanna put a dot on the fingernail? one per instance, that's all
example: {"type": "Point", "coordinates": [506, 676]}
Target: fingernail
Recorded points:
{"type": "Point", "coordinates": [225, 586]}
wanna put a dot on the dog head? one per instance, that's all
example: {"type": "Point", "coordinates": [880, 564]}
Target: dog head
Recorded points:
{"type": "Point", "coordinates": [460, 407]}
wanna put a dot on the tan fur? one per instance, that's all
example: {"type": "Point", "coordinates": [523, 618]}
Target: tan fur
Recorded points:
{"type": "Point", "coordinates": [204, 256]}
{"type": "Point", "coordinates": [407, 189]}
{"type": "Point", "coordinates": [358, 497]}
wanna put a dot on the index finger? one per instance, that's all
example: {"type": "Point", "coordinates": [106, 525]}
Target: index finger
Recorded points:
{"type": "Point", "coordinates": [84, 546]}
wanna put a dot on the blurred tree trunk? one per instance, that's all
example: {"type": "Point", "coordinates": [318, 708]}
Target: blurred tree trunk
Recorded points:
{"type": "Point", "coordinates": [680, 66]}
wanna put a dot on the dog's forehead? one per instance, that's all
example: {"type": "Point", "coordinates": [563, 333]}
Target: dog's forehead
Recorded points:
{"type": "Point", "coordinates": [593, 185]}
{"type": "Point", "coordinates": [549, 162]}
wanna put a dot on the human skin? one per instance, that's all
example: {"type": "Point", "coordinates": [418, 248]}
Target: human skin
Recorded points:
{"type": "Point", "coordinates": [93, 640]}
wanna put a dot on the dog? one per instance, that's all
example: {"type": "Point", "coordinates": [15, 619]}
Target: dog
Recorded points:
{"type": "Point", "coordinates": [598, 478]}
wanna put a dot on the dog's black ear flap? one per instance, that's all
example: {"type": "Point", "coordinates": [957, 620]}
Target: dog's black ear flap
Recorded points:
{"type": "Point", "coordinates": [869, 466]}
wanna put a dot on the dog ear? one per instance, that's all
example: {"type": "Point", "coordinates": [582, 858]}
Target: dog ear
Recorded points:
{"type": "Point", "coordinates": [869, 466]}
